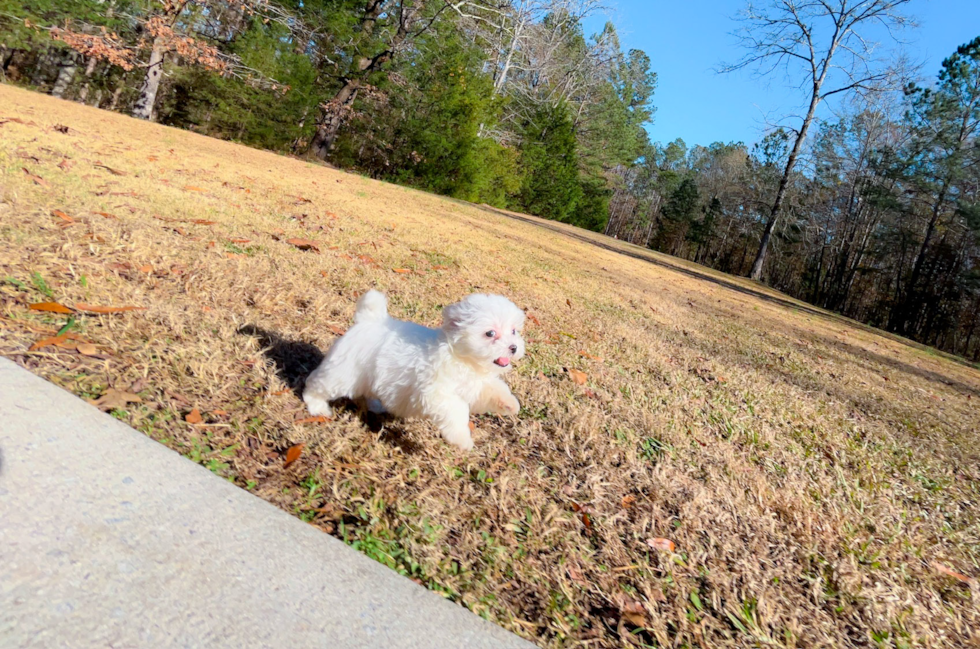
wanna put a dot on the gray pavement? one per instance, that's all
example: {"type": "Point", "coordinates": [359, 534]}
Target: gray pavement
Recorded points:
{"type": "Point", "coordinates": [108, 539]}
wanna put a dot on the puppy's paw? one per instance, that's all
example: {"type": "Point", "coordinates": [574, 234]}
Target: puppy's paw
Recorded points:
{"type": "Point", "coordinates": [318, 407]}
{"type": "Point", "coordinates": [508, 405]}
{"type": "Point", "coordinates": [462, 441]}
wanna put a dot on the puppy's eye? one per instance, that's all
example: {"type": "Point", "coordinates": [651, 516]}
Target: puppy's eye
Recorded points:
{"type": "Point", "coordinates": [491, 333]}
{"type": "Point", "coordinates": [514, 331]}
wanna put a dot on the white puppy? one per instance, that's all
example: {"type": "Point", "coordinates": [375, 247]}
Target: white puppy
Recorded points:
{"type": "Point", "coordinates": [413, 371]}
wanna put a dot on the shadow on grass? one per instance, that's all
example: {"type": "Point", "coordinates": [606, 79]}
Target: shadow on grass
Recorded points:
{"type": "Point", "coordinates": [294, 360]}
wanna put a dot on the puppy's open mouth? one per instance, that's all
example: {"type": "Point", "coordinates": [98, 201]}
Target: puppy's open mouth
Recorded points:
{"type": "Point", "coordinates": [503, 361]}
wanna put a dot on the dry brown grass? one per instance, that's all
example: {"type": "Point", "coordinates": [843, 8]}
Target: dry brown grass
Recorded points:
{"type": "Point", "coordinates": [815, 476]}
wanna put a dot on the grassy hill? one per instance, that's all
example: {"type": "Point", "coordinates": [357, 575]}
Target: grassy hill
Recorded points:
{"type": "Point", "coordinates": [699, 462]}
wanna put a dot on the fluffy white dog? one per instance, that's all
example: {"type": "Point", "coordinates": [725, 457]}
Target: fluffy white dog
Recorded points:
{"type": "Point", "coordinates": [413, 371]}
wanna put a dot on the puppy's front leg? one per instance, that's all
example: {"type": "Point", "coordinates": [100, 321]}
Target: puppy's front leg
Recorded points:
{"type": "Point", "coordinates": [497, 399]}
{"type": "Point", "coordinates": [452, 417]}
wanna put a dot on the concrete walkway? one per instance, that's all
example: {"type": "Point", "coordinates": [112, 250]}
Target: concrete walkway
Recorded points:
{"type": "Point", "coordinates": [108, 539]}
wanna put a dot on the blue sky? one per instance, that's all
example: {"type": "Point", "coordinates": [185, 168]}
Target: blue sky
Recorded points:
{"type": "Point", "coordinates": [687, 40]}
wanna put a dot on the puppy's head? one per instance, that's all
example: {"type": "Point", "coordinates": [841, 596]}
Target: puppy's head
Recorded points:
{"type": "Point", "coordinates": [485, 331]}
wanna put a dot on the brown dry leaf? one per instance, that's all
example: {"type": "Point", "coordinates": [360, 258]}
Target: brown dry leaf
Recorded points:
{"type": "Point", "coordinates": [293, 454]}
{"type": "Point", "coordinates": [568, 302]}
{"type": "Point", "coordinates": [91, 308]}
{"type": "Point", "coordinates": [319, 419]}
{"type": "Point", "coordinates": [192, 188]}
{"type": "Point", "coordinates": [340, 331]}
{"type": "Point", "coordinates": [194, 417]}
{"type": "Point", "coordinates": [665, 545]}
{"type": "Point", "coordinates": [151, 158]}
{"type": "Point", "coordinates": [578, 377]}
{"type": "Point", "coordinates": [114, 399]}
{"type": "Point", "coordinates": [147, 269]}
{"type": "Point", "coordinates": [576, 576]}
{"type": "Point", "coordinates": [114, 172]}
{"type": "Point", "coordinates": [401, 271]}
{"type": "Point", "coordinates": [239, 240]}
{"type": "Point", "coordinates": [584, 354]}
{"type": "Point", "coordinates": [47, 342]}
{"type": "Point", "coordinates": [439, 267]}
{"type": "Point", "coordinates": [105, 215]}
{"type": "Point", "coordinates": [940, 568]}
{"type": "Point", "coordinates": [37, 179]}
{"type": "Point", "coordinates": [304, 244]}
{"type": "Point", "coordinates": [53, 307]}
{"type": "Point", "coordinates": [472, 426]}
{"type": "Point", "coordinates": [278, 392]}
{"type": "Point", "coordinates": [533, 319]}
{"type": "Point", "coordinates": [64, 165]}
{"type": "Point", "coordinates": [203, 222]}
{"type": "Point", "coordinates": [87, 349]}
{"type": "Point", "coordinates": [61, 215]}
{"type": "Point", "coordinates": [628, 501]}
{"type": "Point", "coordinates": [634, 612]}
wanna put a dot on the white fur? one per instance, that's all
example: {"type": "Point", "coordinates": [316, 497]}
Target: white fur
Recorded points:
{"type": "Point", "coordinates": [409, 370]}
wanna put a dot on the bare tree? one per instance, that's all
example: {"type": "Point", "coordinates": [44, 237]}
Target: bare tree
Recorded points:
{"type": "Point", "coordinates": [824, 44]}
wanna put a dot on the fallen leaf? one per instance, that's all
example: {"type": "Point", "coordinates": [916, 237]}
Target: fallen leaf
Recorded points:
{"type": "Point", "coordinates": [578, 378]}
{"type": "Point", "coordinates": [293, 454]}
{"type": "Point", "coordinates": [938, 567]}
{"type": "Point", "coordinates": [533, 319]}
{"type": "Point", "coordinates": [278, 392]}
{"type": "Point", "coordinates": [105, 215]}
{"type": "Point", "coordinates": [114, 399]}
{"type": "Point", "coordinates": [628, 501]}
{"type": "Point", "coordinates": [192, 188]}
{"type": "Point", "coordinates": [114, 172]}
{"type": "Point", "coordinates": [147, 269]}
{"type": "Point", "coordinates": [37, 179]}
{"type": "Point", "coordinates": [588, 355]}
{"type": "Point", "coordinates": [661, 544]}
{"type": "Point", "coordinates": [634, 612]}
{"type": "Point", "coordinates": [219, 413]}
{"type": "Point", "coordinates": [194, 417]}
{"type": "Point", "coordinates": [576, 576]}
{"type": "Point", "coordinates": [568, 302]}
{"type": "Point", "coordinates": [47, 342]}
{"type": "Point", "coordinates": [203, 222]}
{"type": "Point", "coordinates": [439, 267]}
{"type": "Point", "coordinates": [319, 419]}
{"type": "Point", "coordinates": [401, 270]}
{"type": "Point", "coordinates": [61, 128]}
{"type": "Point", "coordinates": [61, 215]}
{"type": "Point", "coordinates": [336, 330]}
{"type": "Point", "coordinates": [53, 307]}
{"type": "Point", "coordinates": [91, 308]}
{"type": "Point", "coordinates": [304, 244]}
{"type": "Point", "coordinates": [151, 158]}
{"type": "Point", "coordinates": [472, 426]}
{"type": "Point", "coordinates": [64, 165]}
{"type": "Point", "coordinates": [239, 240]}
{"type": "Point", "coordinates": [87, 349]}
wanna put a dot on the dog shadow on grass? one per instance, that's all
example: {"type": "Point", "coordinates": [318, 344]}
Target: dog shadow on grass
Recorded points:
{"type": "Point", "coordinates": [294, 360]}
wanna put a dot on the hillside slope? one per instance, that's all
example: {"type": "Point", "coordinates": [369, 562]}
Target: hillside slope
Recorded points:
{"type": "Point", "coordinates": [737, 468]}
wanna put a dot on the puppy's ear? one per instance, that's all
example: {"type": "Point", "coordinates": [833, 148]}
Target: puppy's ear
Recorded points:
{"type": "Point", "coordinates": [452, 317]}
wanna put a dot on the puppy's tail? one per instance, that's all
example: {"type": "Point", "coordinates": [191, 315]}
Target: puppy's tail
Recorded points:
{"type": "Point", "coordinates": [372, 307]}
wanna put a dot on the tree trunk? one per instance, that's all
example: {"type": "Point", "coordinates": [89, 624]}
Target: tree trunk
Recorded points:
{"type": "Point", "coordinates": [760, 257]}
{"type": "Point", "coordinates": [151, 82]}
{"type": "Point", "coordinates": [89, 71]}
{"type": "Point", "coordinates": [65, 75]}
{"type": "Point", "coordinates": [331, 119]}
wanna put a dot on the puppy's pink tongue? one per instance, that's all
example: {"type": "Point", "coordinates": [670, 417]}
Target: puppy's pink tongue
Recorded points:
{"type": "Point", "coordinates": [503, 361]}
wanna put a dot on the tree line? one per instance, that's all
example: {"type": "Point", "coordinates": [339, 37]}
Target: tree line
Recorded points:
{"type": "Point", "coordinates": [509, 103]}
{"type": "Point", "coordinates": [873, 213]}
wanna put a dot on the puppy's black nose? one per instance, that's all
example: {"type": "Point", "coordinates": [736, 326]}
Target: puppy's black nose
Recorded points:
{"type": "Point", "coordinates": [513, 349]}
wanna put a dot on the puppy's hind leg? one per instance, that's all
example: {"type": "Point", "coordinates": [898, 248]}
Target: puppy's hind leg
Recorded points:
{"type": "Point", "coordinates": [324, 385]}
